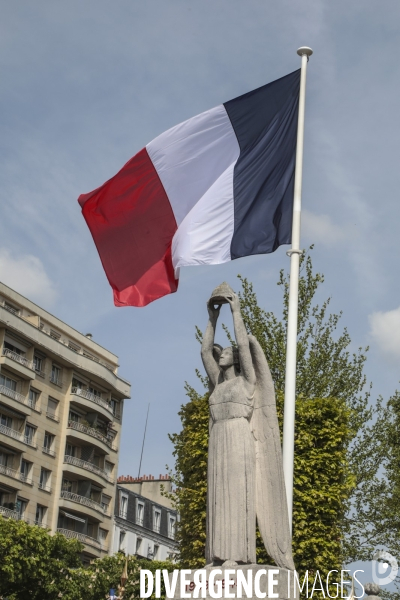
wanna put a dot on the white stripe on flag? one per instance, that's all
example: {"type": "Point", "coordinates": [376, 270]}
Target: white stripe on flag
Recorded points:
{"type": "Point", "coordinates": [204, 236]}
{"type": "Point", "coordinates": [191, 156]}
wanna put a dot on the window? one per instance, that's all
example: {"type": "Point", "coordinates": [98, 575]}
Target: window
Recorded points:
{"type": "Point", "coordinates": [55, 335]}
{"type": "Point", "coordinates": [25, 470]}
{"type": "Point", "coordinates": [21, 506]}
{"type": "Point", "coordinates": [92, 529]}
{"type": "Point", "coordinates": [138, 544]}
{"type": "Point", "coordinates": [11, 308]}
{"type": "Point", "coordinates": [105, 502]}
{"type": "Point", "coordinates": [155, 551]}
{"type": "Point", "coordinates": [55, 376]}
{"type": "Point", "coordinates": [139, 513]}
{"type": "Point", "coordinates": [103, 535]}
{"type": "Point", "coordinates": [77, 384]}
{"type": "Point", "coordinates": [122, 536]}
{"type": "Point", "coordinates": [70, 450]}
{"type": "Point", "coordinates": [115, 407]}
{"type": "Point", "coordinates": [48, 442]}
{"type": "Point", "coordinates": [37, 363]}
{"type": "Point", "coordinates": [8, 383]}
{"type": "Point", "coordinates": [6, 421]}
{"type": "Point", "coordinates": [74, 347]}
{"type": "Point", "coordinates": [13, 348]}
{"type": "Point", "coordinates": [73, 416]}
{"type": "Point", "coordinates": [123, 506]}
{"type": "Point", "coordinates": [5, 459]}
{"type": "Point", "coordinates": [95, 392]}
{"type": "Point", "coordinates": [90, 356]}
{"type": "Point", "coordinates": [29, 434]}
{"type": "Point", "coordinates": [40, 514]}
{"type": "Point", "coordinates": [33, 397]}
{"type": "Point", "coordinates": [67, 485]}
{"type": "Point", "coordinates": [156, 519]}
{"type": "Point", "coordinates": [171, 526]}
{"type": "Point", "coordinates": [109, 467]}
{"type": "Point", "coordinates": [52, 406]}
{"type": "Point", "coordinates": [44, 481]}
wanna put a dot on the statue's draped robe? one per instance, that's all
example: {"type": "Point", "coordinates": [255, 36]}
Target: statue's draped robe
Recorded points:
{"type": "Point", "coordinates": [231, 510]}
{"type": "Point", "coordinates": [245, 473]}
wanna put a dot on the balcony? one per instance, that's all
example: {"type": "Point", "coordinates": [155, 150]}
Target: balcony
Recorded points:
{"type": "Point", "coordinates": [16, 435]}
{"type": "Point", "coordinates": [95, 433]}
{"type": "Point", "coordinates": [52, 415]}
{"type": "Point", "coordinates": [18, 364]}
{"type": "Point", "coordinates": [18, 358]}
{"type": "Point", "coordinates": [18, 401]}
{"type": "Point", "coordinates": [44, 487]}
{"type": "Point", "coordinates": [84, 501]}
{"type": "Point", "coordinates": [85, 539]}
{"type": "Point", "coordinates": [88, 466]}
{"type": "Point", "coordinates": [9, 472]}
{"type": "Point", "coordinates": [48, 451]}
{"type": "Point", "coordinates": [92, 398]}
{"type": "Point", "coordinates": [7, 513]}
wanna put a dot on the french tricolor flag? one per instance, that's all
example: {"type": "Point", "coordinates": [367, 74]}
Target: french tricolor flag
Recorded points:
{"type": "Point", "coordinates": [216, 187]}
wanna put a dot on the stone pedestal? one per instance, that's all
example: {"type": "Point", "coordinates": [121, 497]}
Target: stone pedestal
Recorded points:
{"type": "Point", "coordinates": [274, 582]}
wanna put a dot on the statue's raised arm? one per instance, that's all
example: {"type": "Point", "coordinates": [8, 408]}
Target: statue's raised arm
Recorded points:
{"type": "Point", "coordinates": [207, 347]}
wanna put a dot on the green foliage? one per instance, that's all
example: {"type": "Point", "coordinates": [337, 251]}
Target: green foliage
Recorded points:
{"type": "Point", "coordinates": [191, 452]}
{"type": "Point", "coordinates": [333, 430]}
{"type": "Point", "coordinates": [38, 566]}
{"type": "Point", "coordinates": [34, 564]}
{"type": "Point", "coordinates": [105, 573]}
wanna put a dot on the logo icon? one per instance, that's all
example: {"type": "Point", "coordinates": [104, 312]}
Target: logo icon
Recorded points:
{"type": "Point", "coordinates": [384, 567]}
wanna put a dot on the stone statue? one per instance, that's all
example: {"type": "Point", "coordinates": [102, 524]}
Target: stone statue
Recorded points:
{"type": "Point", "coordinates": [245, 474]}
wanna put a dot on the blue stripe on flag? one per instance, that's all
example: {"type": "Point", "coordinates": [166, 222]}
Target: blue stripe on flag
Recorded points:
{"type": "Point", "coordinates": [265, 124]}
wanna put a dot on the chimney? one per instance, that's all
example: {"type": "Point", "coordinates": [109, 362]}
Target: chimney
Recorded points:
{"type": "Point", "coordinates": [89, 336]}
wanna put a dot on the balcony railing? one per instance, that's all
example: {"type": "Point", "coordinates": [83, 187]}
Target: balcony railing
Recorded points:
{"type": "Point", "coordinates": [15, 474]}
{"type": "Point", "coordinates": [85, 539]}
{"type": "Point", "coordinates": [84, 464]}
{"type": "Point", "coordinates": [88, 396]}
{"type": "Point", "coordinates": [44, 487]}
{"type": "Point", "coordinates": [47, 450]}
{"type": "Point", "coordinates": [92, 432]}
{"type": "Point", "coordinates": [25, 479]}
{"type": "Point", "coordinates": [84, 501]}
{"type": "Point", "coordinates": [9, 514]}
{"type": "Point", "coordinates": [13, 394]}
{"type": "Point", "coordinates": [17, 436]}
{"type": "Point", "coordinates": [18, 358]}
{"type": "Point", "coordinates": [9, 472]}
{"type": "Point", "coordinates": [52, 415]}
{"type": "Point", "coordinates": [11, 309]}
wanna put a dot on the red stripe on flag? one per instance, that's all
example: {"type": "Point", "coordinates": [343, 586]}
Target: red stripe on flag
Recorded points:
{"type": "Point", "coordinates": [132, 224]}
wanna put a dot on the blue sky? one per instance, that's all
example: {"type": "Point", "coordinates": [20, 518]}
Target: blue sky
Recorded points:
{"type": "Point", "coordinates": [85, 85]}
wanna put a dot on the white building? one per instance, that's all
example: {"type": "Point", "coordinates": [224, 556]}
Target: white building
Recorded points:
{"type": "Point", "coordinates": [145, 520]}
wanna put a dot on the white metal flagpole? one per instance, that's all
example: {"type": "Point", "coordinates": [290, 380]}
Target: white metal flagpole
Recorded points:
{"type": "Point", "coordinates": [294, 253]}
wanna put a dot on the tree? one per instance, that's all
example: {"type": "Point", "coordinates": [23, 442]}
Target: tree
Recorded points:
{"type": "Point", "coordinates": [38, 566]}
{"type": "Point", "coordinates": [34, 564]}
{"type": "Point", "coordinates": [333, 425]}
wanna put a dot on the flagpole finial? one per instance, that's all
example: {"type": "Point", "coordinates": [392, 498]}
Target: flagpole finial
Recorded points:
{"type": "Point", "coordinates": [304, 50]}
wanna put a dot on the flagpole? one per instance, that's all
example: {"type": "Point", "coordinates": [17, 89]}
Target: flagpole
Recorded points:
{"type": "Point", "coordinates": [294, 253]}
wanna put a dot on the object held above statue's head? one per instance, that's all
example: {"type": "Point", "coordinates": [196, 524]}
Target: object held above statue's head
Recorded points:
{"type": "Point", "coordinates": [221, 293]}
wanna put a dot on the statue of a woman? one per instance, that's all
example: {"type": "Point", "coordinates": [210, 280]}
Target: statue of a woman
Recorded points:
{"type": "Point", "coordinates": [245, 475]}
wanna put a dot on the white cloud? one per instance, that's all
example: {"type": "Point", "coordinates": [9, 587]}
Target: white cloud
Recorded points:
{"type": "Point", "coordinates": [385, 330]}
{"type": "Point", "coordinates": [26, 275]}
{"type": "Point", "coordinates": [321, 228]}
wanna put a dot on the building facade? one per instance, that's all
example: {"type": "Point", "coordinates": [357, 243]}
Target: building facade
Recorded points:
{"type": "Point", "coordinates": [61, 407]}
{"type": "Point", "coordinates": [145, 520]}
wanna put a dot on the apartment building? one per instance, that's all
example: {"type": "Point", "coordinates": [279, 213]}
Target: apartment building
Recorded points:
{"type": "Point", "coordinates": [145, 520]}
{"type": "Point", "coordinates": [61, 407]}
